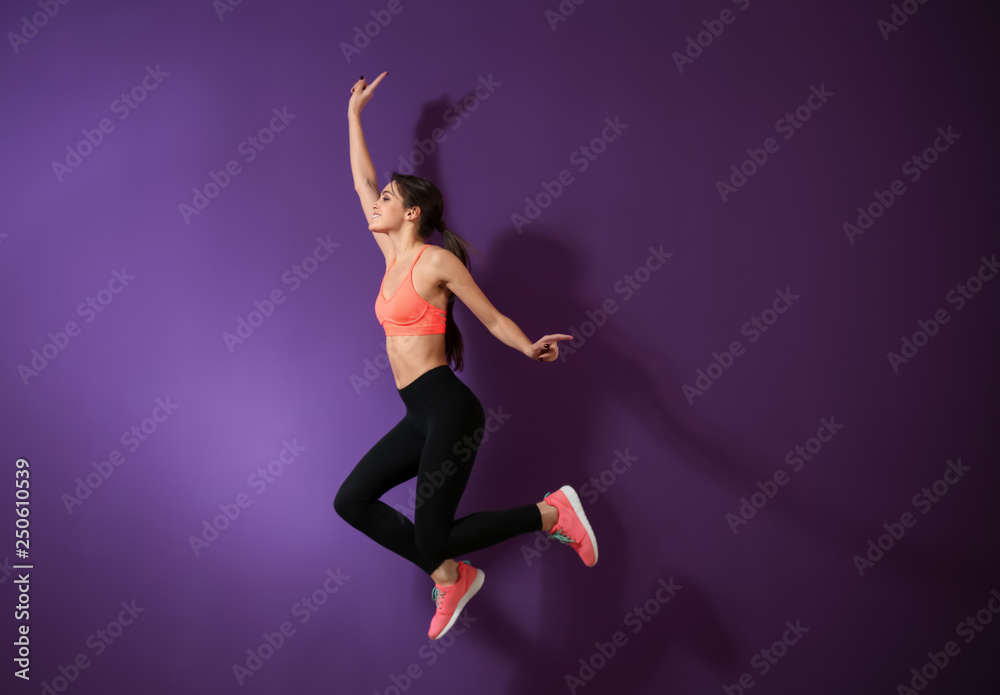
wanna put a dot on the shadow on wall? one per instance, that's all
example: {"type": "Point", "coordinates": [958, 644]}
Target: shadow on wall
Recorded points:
{"type": "Point", "coordinates": [562, 405]}
{"type": "Point", "coordinates": [537, 279]}
{"type": "Point", "coordinates": [427, 165]}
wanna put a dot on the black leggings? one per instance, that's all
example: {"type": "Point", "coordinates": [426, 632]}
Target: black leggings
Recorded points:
{"type": "Point", "coordinates": [435, 443]}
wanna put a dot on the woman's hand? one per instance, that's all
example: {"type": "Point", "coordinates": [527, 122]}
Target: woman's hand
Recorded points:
{"type": "Point", "coordinates": [547, 349]}
{"type": "Point", "coordinates": [361, 93]}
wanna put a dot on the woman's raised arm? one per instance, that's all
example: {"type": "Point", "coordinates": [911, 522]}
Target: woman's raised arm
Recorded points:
{"type": "Point", "coordinates": [361, 162]}
{"type": "Point", "coordinates": [362, 169]}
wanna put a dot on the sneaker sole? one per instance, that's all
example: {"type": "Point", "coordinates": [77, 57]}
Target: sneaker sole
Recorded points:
{"type": "Point", "coordinates": [574, 500]}
{"type": "Point", "coordinates": [477, 584]}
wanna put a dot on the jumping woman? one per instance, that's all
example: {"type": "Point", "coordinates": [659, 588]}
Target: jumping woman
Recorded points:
{"type": "Point", "coordinates": [414, 307]}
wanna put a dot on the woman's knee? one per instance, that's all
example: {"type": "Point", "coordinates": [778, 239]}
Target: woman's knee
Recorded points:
{"type": "Point", "coordinates": [347, 505]}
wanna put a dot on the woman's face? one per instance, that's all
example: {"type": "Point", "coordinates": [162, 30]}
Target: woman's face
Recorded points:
{"type": "Point", "coordinates": [388, 212]}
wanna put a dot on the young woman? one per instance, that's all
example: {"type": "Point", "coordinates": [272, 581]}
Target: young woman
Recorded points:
{"type": "Point", "coordinates": [414, 308]}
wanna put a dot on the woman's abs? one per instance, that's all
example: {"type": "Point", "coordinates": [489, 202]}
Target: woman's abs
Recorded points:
{"type": "Point", "coordinates": [412, 355]}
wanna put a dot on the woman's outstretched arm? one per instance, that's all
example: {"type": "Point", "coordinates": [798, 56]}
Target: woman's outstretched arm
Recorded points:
{"type": "Point", "coordinates": [457, 278]}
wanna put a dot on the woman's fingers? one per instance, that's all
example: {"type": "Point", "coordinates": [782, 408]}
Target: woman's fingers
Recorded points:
{"type": "Point", "coordinates": [361, 87]}
{"type": "Point", "coordinates": [378, 79]}
{"type": "Point", "coordinates": [548, 348]}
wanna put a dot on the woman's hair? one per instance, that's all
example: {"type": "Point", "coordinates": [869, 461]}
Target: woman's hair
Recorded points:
{"type": "Point", "coordinates": [419, 192]}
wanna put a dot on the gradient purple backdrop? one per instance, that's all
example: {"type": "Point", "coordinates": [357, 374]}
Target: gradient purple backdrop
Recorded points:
{"type": "Point", "coordinates": [550, 77]}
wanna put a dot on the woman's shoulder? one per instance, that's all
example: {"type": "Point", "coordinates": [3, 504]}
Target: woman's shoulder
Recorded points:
{"type": "Point", "coordinates": [433, 251]}
{"type": "Point", "coordinates": [438, 254]}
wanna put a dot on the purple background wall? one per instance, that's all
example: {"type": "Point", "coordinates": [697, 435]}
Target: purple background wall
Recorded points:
{"type": "Point", "coordinates": [693, 510]}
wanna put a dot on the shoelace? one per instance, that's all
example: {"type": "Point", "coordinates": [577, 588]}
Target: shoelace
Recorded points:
{"type": "Point", "coordinates": [560, 536]}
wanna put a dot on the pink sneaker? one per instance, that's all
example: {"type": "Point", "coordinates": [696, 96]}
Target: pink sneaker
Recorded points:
{"type": "Point", "coordinates": [451, 600]}
{"type": "Point", "coordinates": [572, 527]}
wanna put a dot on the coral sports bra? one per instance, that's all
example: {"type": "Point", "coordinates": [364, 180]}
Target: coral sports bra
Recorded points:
{"type": "Point", "coordinates": [406, 312]}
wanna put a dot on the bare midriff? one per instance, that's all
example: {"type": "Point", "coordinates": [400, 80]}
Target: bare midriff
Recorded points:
{"type": "Point", "coordinates": [412, 355]}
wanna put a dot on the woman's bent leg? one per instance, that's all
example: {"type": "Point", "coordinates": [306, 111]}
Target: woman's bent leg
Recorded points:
{"type": "Point", "coordinates": [392, 461]}
{"type": "Point", "coordinates": [454, 421]}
